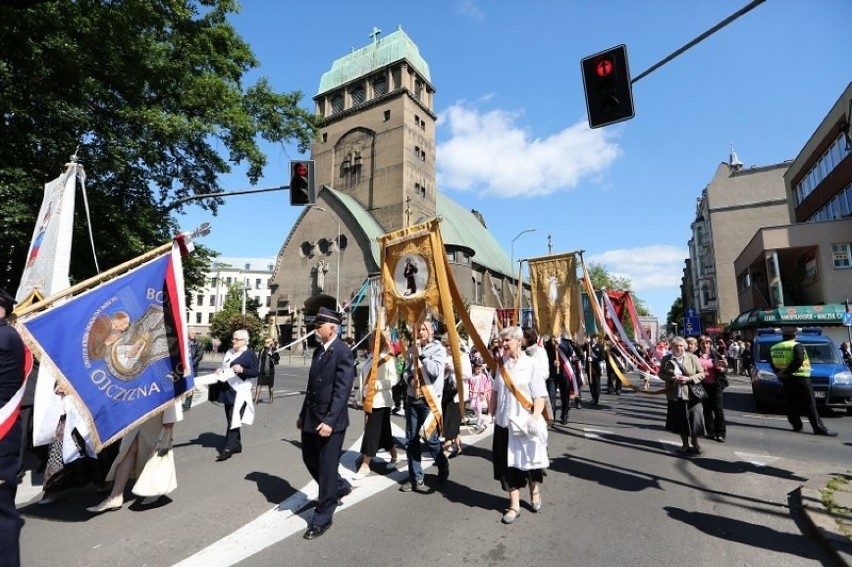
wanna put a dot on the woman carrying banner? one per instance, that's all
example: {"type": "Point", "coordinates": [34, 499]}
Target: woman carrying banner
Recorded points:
{"type": "Point", "coordinates": [377, 426]}
{"type": "Point", "coordinates": [268, 357]}
{"type": "Point", "coordinates": [237, 374]}
{"type": "Point", "coordinates": [684, 415]}
{"type": "Point", "coordinates": [520, 434]}
{"type": "Point", "coordinates": [137, 448]}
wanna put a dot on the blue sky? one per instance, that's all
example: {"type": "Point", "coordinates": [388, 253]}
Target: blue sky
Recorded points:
{"type": "Point", "coordinates": [512, 136]}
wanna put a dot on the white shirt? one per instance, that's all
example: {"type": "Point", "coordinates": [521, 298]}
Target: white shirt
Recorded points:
{"type": "Point", "coordinates": [526, 375]}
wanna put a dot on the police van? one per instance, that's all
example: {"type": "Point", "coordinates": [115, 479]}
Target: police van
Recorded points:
{"type": "Point", "coordinates": [830, 377]}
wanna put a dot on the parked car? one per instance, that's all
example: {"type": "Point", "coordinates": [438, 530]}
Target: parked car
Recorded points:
{"type": "Point", "coordinates": [831, 379]}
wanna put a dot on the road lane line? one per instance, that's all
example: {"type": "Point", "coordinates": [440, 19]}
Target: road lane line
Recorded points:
{"type": "Point", "coordinates": [293, 514]}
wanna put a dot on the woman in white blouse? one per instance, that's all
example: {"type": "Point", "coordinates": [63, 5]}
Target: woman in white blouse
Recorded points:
{"type": "Point", "coordinates": [520, 432]}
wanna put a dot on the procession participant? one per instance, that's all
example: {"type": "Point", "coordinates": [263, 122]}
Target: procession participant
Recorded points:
{"type": "Point", "coordinates": [424, 374]}
{"type": "Point", "coordinates": [377, 425]}
{"type": "Point", "coordinates": [684, 414]}
{"type": "Point", "coordinates": [240, 369]}
{"type": "Point", "coordinates": [520, 435]}
{"type": "Point", "coordinates": [11, 379]}
{"type": "Point", "coordinates": [268, 357]}
{"type": "Point", "coordinates": [324, 418]}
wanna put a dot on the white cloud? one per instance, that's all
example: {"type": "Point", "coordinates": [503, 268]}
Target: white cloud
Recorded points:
{"type": "Point", "coordinates": [647, 267]}
{"type": "Point", "coordinates": [489, 153]}
{"type": "Point", "coordinates": [470, 9]}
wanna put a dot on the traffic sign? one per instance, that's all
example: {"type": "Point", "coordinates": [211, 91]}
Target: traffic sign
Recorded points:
{"type": "Point", "coordinates": [691, 326]}
{"type": "Point", "coordinates": [847, 319]}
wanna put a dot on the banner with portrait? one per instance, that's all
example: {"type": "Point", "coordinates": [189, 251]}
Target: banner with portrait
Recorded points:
{"type": "Point", "coordinates": [120, 349]}
{"type": "Point", "coordinates": [555, 294]}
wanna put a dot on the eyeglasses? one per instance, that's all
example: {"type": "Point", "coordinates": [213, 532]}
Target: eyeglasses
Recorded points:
{"type": "Point", "coordinates": [236, 339]}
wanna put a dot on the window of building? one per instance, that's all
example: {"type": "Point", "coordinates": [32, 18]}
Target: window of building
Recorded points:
{"type": "Point", "coordinates": [358, 95]}
{"type": "Point", "coordinates": [268, 300]}
{"type": "Point", "coordinates": [257, 299]}
{"type": "Point", "coordinates": [380, 85]}
{"type": "Point", "coordinates": [198, 318]}
{"type": "Point", "coordinates": [209, 318]}
{"type": "Point", "coordinates": [451, 257]}
{"type": "Point", "coordinates": [324, 137]}
{"type": "Point", "coordinates": [463, 258]}
{"type": "Point", "coordinates": [387, 115]}
{"type": "Point", "coordinates": [228, 281]}
{"type": "Point", "coordinates": [200, 300]}
{"type": "Point", "coordinates": [417, 151]}
{"type": "Point", "coordinates": [212, 301]}
{"type": "Point", "coordinates": [418, 89]}
{"type": "Point", "coordinates": [840, 255]}
{"type": "Point", "coordinates": [257, 283]}
{"type": "Point", "coordinates": [343, 242]}
{"type": "Point", "coordinates": [336, 104]}
{"type": "Point", "coordinates": [214, 282]}
{"type": "Point", "coordinates": [423, 125]}
{"type": "Point", "coordinates": [417, 120]}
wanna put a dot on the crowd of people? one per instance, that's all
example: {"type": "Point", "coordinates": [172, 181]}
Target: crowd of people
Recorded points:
{"type": "Point", "coordinates": [534, 379]}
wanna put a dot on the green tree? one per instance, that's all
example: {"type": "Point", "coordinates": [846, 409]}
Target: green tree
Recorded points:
{"type": "Point", "coordinates": [601, 278]}
{"type": "Point", "coordinates": [675, 314]}
{"type": "Point", "coordinates": [154, 94]}
{"type": "Point", "coordinates": [231, 318]}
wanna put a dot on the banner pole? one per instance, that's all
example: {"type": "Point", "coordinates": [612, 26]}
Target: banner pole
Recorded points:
{"type": "Point", "coordinates": [93, 281]}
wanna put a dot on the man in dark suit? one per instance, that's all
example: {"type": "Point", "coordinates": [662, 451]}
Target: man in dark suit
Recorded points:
{"type": "Point", "coordinates": [11, 378]}
{"type": "Point", "coordinates": [324, 418]}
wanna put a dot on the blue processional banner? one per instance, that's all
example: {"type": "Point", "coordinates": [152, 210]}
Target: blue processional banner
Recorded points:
{"type": "Point", "coordinates": [120, 347]}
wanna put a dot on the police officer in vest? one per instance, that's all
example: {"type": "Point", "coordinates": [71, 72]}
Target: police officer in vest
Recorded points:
{"type": "Point", "coordinates": [790, 363]}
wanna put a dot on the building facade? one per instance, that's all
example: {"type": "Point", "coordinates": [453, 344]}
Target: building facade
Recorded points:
{"type": "Point", "coordinates": [807, 261]}
{"type": "Point", "coordinates": [375, 169]}
{"type": "Point", "coordinates": [251, 275]}
{"type": "Point", "coordinates": [735, 204]}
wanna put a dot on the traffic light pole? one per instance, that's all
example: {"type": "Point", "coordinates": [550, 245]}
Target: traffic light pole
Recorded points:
{"type": "Point", "coordinates": [699, 39]}
{"type": "Point", "coordinates": [183, 200]}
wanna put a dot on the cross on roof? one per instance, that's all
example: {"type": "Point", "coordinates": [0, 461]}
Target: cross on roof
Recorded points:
{"type": "Point", "coordinates": [375, 34]}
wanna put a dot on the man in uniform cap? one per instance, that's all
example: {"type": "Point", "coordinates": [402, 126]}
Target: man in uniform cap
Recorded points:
{"type": "Point", "coordinates": [11, 378]}
{"type": "Point", "coordinates": [324, 418]}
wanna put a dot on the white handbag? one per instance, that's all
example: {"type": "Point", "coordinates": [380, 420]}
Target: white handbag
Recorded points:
{"type": "Point", "coordinates": [158, 477]}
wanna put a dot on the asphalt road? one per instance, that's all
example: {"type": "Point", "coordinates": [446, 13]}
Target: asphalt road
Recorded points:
{"type": "Point", "coordinates": [616, 494]}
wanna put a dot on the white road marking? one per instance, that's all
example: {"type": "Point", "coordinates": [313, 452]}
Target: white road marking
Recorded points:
{"type": "Point", "coordinates": [764, 416]}
{"type": "Point", "coordinates": [668, 445]}
{"type": "Point", "coordinates": [591, 433]}
{"type": "Point", "coordinates": [283, 520]}
{"type": "Point", "coordinates": [758, 460]}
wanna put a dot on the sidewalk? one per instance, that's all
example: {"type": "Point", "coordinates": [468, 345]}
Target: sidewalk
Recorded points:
{"type": "Point", "coordinates": [826, 503]}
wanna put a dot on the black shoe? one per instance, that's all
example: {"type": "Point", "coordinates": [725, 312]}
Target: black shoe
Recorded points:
{"type": "Point", "coordinates": [395, 411]}
{"type": "Point", "coordinates": [797, 428]}
{"type": "Point", "coordinates": [720, 438]}
{"type": "Point", "coordinates": [417, 486]}
{"type": "Point", "coordinates": [224, 455]}
{"type": "Point", "coordinates": [343, 494]}
{"type": "Point", "coordinates": [825, 432]}
{"type": "Point", "coordinates": [443, 475]}
{"type": "Point", "coordinates": [564, 419]}
{"type": "Point", "coordinates": [314, 532]}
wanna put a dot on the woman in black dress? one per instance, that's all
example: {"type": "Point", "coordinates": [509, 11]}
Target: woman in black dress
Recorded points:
{"type": "Point", "coordinates": [268, 358]}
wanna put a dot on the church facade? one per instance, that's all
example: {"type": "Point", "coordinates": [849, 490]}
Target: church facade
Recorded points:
{"type": "Point", "coordinates": [375, 170]}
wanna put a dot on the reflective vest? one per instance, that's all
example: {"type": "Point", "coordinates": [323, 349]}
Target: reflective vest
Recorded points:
{"type": "Point", "coordinates": [782, 355]}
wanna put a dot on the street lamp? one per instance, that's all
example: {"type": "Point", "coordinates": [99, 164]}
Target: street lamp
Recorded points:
{"type": "Point", "coordinates": [337, 294]}
{"type": "Point", "coordinates": [518, 284]}
{"type": "Point", "coordinates": [513, 243]}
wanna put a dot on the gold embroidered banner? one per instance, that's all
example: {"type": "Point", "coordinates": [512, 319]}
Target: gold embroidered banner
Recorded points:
{"type": "Point", "coordinates": [555, 294]}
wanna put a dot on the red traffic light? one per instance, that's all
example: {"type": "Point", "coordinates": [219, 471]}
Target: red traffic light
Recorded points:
{"type": "Point", "coordinates": [300, 169]}
{"type": "Point", "coordinates": [604, 67]}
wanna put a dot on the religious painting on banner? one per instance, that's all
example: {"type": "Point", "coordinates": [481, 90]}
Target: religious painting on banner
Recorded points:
{"type": "Point", "coordinates": [120, 347]}
{"type": "Point", "coordinates": [555, 294]}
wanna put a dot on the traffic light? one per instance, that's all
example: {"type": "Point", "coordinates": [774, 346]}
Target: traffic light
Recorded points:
{"type": "Point", "coordinates": [302, 189]}
{"type": "Point", "coordinates": [606, 78]}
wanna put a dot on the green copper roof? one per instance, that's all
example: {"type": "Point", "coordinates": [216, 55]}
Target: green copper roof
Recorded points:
{"type": "Point", "coordinates": [461, 228]}
{"type": "Point", "coordinates": [395, 47]}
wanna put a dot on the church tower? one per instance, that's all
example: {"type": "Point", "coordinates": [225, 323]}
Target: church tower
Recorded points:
{"type": "Point", "coordinates": [376, 139]}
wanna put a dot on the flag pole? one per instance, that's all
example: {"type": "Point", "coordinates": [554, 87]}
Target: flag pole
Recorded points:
{"type": "Point", "coordinates": [94, 281]}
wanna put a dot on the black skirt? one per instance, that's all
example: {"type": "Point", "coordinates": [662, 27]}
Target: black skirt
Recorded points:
{"type": "Point", "coordinates": [267, 378]}
{"type": "Point", "coordinates": [685, 417]}
{"type": "Point", "coordinates": [377, 433]}
{"type": "Point", "coordinates": [451, 416]}
{"type": "Point", "coordinates": [510, 478]}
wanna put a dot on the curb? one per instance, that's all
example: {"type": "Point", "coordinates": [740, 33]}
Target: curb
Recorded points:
{"type": "Point", "coordinates": [824, 524]}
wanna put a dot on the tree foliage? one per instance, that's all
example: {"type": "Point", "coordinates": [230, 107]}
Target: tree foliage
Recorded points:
{"type": "Point", "coordinates": [601, 278]}
{"type": "Point", "coordinates": [675, 314]}
{"type": "Point", "coordinates": [153, 92]}
{"type": "Point", "coordinates": [231, 318]}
